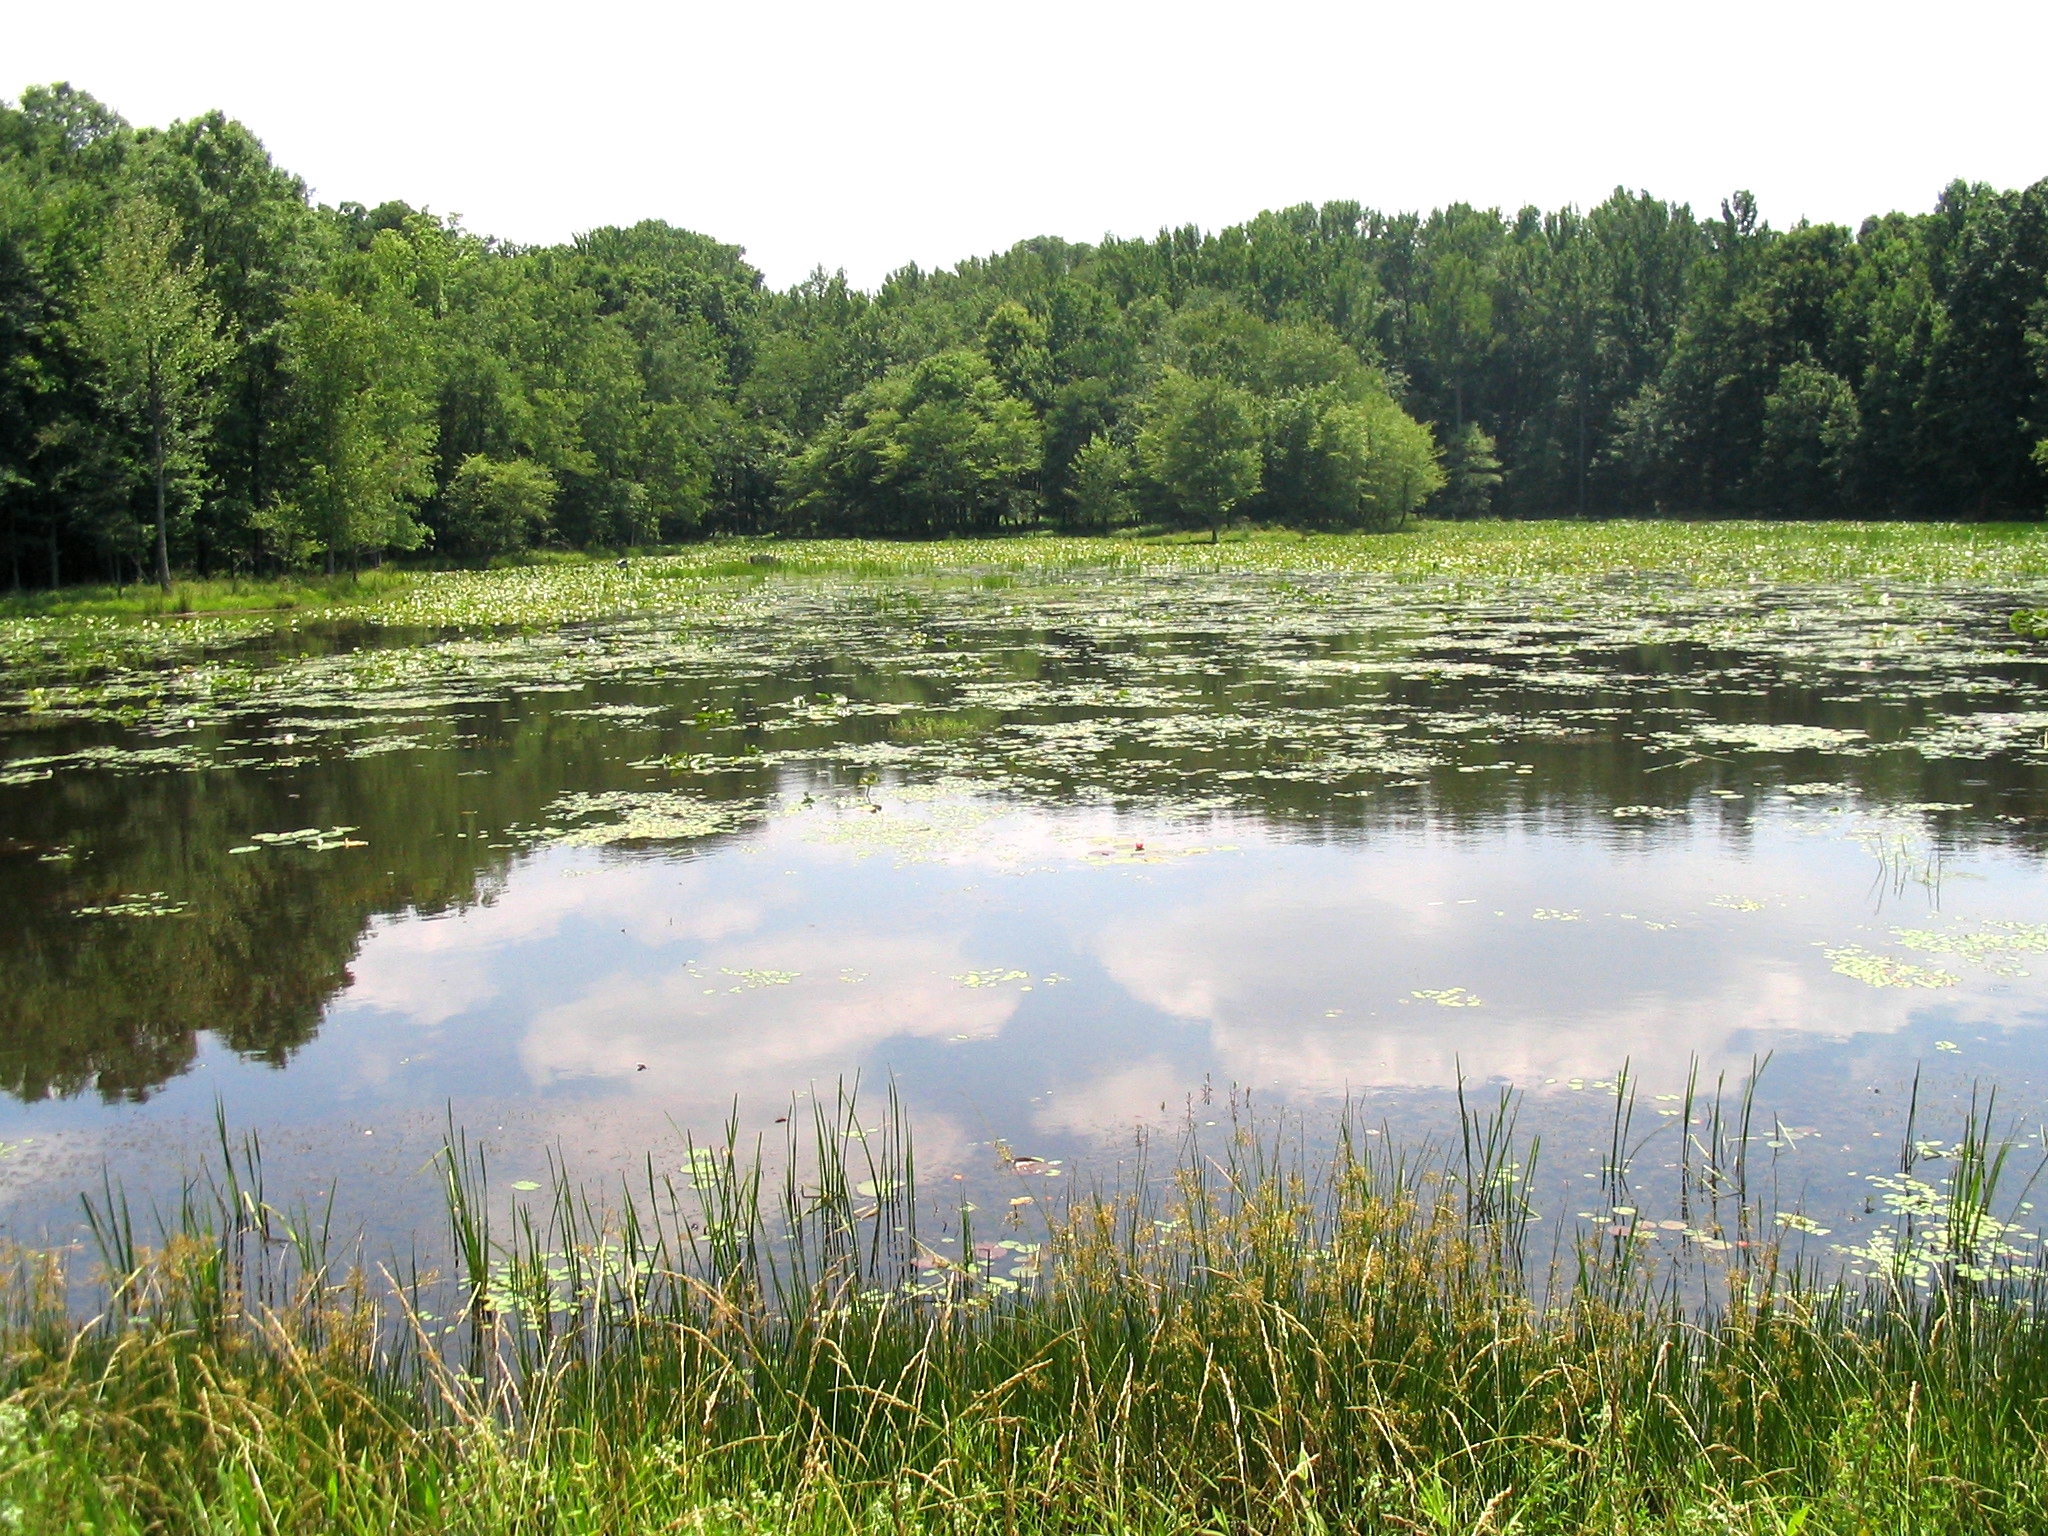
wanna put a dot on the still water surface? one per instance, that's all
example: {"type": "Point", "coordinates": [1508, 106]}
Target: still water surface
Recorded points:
{"type": "Point", "coordinates": [1061, 861]}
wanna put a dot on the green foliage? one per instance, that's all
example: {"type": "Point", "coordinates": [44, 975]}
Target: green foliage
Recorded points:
{"type": "Point", "coordinates": [493, 506]}
{"type": "Point", "coordinates": [153, 330]}
{"type": "Point", "coordinates": [248, 227]}
{"type": "Point", "coordinates": [1628, 359]}
{"type": "Point", "coordinates": [1810, 429]}
{"type": "Point", "coordinates": [1471, 474]}
{"type": "Point", "coordinates": [1334, 462]}
{"type": "Point", "coordinates": [359, 359]}
{"type": "Point", "coordinates": [1015, 343]}
{"type": "Point", "coordinates": [1199, 447]}
{"type": "Point", "coordinates": [936, 447]}
{"type": "Point", "coordinates": [1101, 486]}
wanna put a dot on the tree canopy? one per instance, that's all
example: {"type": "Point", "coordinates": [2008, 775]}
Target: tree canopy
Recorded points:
{"type": "Point", "coordinates": [188, 342]}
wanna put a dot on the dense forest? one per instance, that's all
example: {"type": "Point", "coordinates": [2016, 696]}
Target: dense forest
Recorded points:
{"type": "Point", "coordinates": [200, 369]}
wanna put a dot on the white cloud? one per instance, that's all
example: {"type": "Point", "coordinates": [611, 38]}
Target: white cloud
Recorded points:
{"type": "Point", "coordinates": [701, 1038]}
{"type": "Point", "coordinates": [1106, 1106]}
{"type": "Point", "coordinates": [436, 968]}
{"type": "Point", "coordinates": [1306, 980]}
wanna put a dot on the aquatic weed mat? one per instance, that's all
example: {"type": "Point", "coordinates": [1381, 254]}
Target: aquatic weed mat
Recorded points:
{"type": "Point", "coordinates": [1141, 684]}
{"type": "Point", "coordinates": [52, 632]}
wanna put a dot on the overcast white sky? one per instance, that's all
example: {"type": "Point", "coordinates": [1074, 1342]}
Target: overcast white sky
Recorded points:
{"type": "Point", "coordinates": [868, 135]}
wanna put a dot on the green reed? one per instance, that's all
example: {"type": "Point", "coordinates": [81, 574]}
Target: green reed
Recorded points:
{"type": "Point", "coordinates": [1254, 1330]}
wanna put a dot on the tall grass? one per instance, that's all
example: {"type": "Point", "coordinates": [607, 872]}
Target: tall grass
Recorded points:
{"type": "Point", "coordinates": [1259, 1334]}
{"type": "Point", "coordinates": [209, 595]}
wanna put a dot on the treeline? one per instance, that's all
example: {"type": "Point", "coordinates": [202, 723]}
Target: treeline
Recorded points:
{"type": "Point", "coordinates": [200, 368]}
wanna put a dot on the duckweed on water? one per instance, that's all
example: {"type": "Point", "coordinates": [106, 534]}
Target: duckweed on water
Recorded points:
{"type": "Point", "coordinates": [1720, 553]}
{"type": "Point", "coordinates": [1154, 699]}
{"type": "Point", "coordinates": [752, 980]}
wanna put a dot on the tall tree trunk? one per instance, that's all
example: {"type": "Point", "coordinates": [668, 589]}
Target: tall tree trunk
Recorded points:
{"type": "Point", "coordinates": [163, 543]}
{"type": "Point", "coordinates": [1582, 447]}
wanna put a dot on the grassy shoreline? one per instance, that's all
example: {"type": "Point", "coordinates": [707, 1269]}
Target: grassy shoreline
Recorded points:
{"type": "Point", "coordinates": [1258, 1338]}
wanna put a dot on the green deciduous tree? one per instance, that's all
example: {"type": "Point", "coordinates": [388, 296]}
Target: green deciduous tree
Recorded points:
{"type": "Point", "coordinates": [1200, 447]}
{"type": "Point", "coordinates": [1101, 486]}
{"type": "Point", "coordinates": [1014, 342]}
{"type": "Point", "coordinates": [1811, 425]}
{"type": "Point", "coordinates": [934, 448]}
{"type": "Point", "coordinates": [493, 506]}
{"type": "Point", "coordinates": [249, 227]}
{"type": "Point", "coordinates": [1454, 320]}
{"type": "Point", "coordinates": [154, 332]}
{"type": "Point", "coordinates": [359, 356]}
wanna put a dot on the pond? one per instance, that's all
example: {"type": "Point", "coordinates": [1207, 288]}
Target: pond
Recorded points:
{"type": "Point", "coordinates": [1062, 860]}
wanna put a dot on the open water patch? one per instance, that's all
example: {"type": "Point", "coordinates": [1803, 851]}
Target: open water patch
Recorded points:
{"type": "Point", "coordinates": [1055, 855]}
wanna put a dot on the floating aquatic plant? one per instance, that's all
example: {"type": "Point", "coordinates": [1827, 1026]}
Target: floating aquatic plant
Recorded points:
{"type": "Point", "coordinates": [1877, 970]}
{"type": "Point", "coordinates": [311, 839]}
{"type": "Point", "coordinates": [990, 978]}
{"type": "Point", "coordinates": [754, 980]}
{"type": "Point", "coordinates": [136, 904]}
{"type": "Point", "coordinates": [1991, 946]}
{"type": "Point", "coordinates": [611, 817]}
